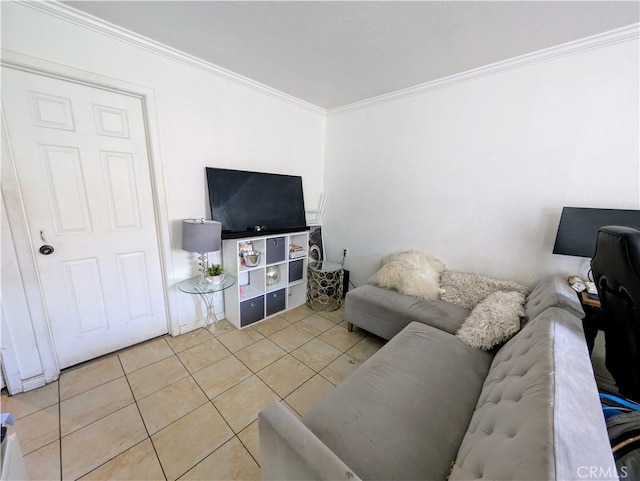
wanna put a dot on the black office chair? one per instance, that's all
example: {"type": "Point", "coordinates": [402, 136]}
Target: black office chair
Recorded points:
{"type": "Point", "coordinates": [616, 273]}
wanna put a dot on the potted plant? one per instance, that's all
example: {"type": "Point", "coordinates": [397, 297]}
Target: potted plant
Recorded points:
{"type": "Point", "coordinates": [215, 273]}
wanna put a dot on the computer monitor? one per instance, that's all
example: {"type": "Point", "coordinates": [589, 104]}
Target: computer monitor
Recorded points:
{"type": "Point", "coordinates": [578, 229]}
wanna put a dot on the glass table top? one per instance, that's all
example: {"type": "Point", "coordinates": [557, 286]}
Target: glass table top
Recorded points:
{"type": "Point", "coordinates": [196, 285]}
{"type": "Point", "coordinates": [325, 266]}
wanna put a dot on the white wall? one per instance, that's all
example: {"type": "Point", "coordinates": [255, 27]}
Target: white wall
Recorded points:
{"type": "Point", "coordinates": [477, 174]}
{"type": "Point", "coordinates": [203, 120]}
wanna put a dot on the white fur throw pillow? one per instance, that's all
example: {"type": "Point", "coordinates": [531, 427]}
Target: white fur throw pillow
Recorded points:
{"type": "Point", "coordinates": [412, 273]}
{"type": "Point", "coordinates": [468, 290]}
{"type": "Point", "coordinates": [493, 321]}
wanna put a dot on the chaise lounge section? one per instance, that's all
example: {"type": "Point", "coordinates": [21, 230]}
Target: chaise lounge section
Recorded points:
{"type": "Point", "coordinates": [428, 406]}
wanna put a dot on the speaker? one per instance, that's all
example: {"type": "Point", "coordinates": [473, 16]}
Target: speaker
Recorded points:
{"type": "Point", "coordinates": [345, 282]}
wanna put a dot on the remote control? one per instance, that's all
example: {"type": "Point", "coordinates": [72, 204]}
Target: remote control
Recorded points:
{"type": "Point", "coordinates": [576, 284]}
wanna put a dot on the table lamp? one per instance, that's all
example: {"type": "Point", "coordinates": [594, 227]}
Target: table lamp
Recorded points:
{"type": "Point", "coordinates": [201, 236]}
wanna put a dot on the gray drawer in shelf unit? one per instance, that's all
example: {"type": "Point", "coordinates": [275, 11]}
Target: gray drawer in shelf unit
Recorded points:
{"type": "Point", "coordinates": [295, 270]}
{"type": "Point", "coordinates": [276, 301]}
{"type": "Point", "coordinates": [251, 310]}
{"type": "Point", "coordinates": [276, 249]}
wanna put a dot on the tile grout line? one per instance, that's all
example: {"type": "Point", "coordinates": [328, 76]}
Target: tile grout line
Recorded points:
{"type": "Point", "coordinates": [96, 420]}
{"type": "Point", "coordinates": [142, 419]}
{"type": "Point", "coordinates": [214, 407]}
{"type": "Point", "coordinates": [245, 446]}
{"type": "Point", "coordinates": [191, 375]}
{"type": "Point", "coordinates": [58, 438]}
{"type": "Point", "coordinates": [253, 373]}
{"type": "Point", "coordinates": [60, 426]}
{"type": "Point", "coordinates": [212, 404]}
{"type": "Point", "coordinates": [301, 361]}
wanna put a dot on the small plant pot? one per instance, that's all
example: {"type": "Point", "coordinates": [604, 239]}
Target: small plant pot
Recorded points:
{"type": "Point", "coordinates": [216, 279]}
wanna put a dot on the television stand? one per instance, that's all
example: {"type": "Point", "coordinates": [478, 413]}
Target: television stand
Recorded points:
{"type": "Point", "coordinates": [276, 284]}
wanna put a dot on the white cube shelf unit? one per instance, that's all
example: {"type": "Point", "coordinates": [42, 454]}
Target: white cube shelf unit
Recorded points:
{"type": "Point", "coordinates": [276, 284]}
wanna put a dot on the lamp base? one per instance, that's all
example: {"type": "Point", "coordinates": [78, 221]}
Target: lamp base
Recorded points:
{"type": "Point", "coordinates": [203, 263]}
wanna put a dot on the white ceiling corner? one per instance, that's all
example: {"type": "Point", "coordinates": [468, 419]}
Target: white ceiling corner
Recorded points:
{"type": "Point", "coordinates": [330, 55]}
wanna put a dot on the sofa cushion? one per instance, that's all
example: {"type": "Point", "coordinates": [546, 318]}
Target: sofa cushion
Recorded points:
{"type": "Point", "coordinates": [538, 416]}
{"type": "Point", "coordinates": [553, 291]}
{"type": "Point", "coordinates": [467, 289]}
{"type": "Point", "coordinates": [404, 412]}
{"type": "Point", "coordinates": [385, 313]}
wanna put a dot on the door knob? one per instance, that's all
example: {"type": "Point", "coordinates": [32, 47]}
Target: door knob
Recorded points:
{"type": "Point", "coordinates": [45, 250]}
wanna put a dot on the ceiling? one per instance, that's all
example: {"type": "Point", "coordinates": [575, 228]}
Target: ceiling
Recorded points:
{"type": "Point", "coordinates": [336, 53]}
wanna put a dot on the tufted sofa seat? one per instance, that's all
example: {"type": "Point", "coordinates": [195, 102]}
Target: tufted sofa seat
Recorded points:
{"type": "Point", "coordinates": [427, 406]}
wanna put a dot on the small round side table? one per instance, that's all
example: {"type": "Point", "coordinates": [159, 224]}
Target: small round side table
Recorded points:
{"type": "Point", "coordinates": [206, 290]}
{"type": "Point", "coordinates": [324, 288]}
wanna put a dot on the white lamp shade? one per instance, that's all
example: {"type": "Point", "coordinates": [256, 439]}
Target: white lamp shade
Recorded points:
{"type": "Point", "coordinates": [199, 235]}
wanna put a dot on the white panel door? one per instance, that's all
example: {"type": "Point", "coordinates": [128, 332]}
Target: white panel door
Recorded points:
{"type": "Point", "coordinates": [82, 165]}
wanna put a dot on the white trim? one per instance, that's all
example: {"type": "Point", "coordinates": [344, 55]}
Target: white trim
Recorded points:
{"type": "Point", "coordinates": [147, 96]}
{"type": "Point", "coordinates": [33, 383]}
{"type": "Point", "coordinates": [10, 365]}
{"type": "Point", "coordinates": [99, 25]}
{"type": "Point", "coordinates": [77, 17]}
{"type": "Point", "coordinates": [200, 323]}
{"type": "Point", "coordinates": [624, 34]}
{"type": "Point", "coordinates": [25, 258]}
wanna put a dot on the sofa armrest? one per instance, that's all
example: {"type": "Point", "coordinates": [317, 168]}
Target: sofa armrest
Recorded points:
{"type": "Point", "coordinates": [553, 291]}
{"type": "Point", "coordinates": [290, 451]}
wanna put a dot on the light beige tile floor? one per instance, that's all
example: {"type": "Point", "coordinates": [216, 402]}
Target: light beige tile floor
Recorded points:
{"type": "Point", "coordinates": [184, 407]}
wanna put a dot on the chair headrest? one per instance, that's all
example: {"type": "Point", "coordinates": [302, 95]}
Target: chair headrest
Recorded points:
{"type": "Point", "coordinates": [617, 257]}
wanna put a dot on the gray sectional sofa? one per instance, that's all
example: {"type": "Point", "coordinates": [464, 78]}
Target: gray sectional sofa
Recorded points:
{"type": "Point", "coordinates": [427, 406]}
{"type": "Point", "coordinates": [385, 312]}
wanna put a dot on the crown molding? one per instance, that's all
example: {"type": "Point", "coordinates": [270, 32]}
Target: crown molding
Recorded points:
{"type": "Point", "coordinates": [612, 37]}
{"type": "Point", "coordinates": [72, 15]}
{"type": "Point", "coordinates": [82, 19]}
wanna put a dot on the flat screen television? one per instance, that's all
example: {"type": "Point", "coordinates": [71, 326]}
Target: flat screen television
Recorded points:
{"type": "Point", "coordinates": [255, 203]}
{"type": "Point", "coordinates": [578, 228]}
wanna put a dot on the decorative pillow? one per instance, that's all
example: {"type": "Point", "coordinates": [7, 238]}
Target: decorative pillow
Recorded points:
{"type": "Point", "coordinates": [493, 321]}
{"type": "Point", "coordinates": [468, 290]}
{"type": "Point", "coordinates": [412, 273]}
{"type": "Point", "coordinates": [415, 259]}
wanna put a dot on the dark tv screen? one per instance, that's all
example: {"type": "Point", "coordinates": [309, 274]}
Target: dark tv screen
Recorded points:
{"type": "Point", "coordinates": [255, 203]}
{"type": "Point", "coordinates": [578, 229]}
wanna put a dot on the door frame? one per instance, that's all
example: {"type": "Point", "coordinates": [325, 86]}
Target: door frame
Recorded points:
{"type": "Point", "coordinates": [25, 251]}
